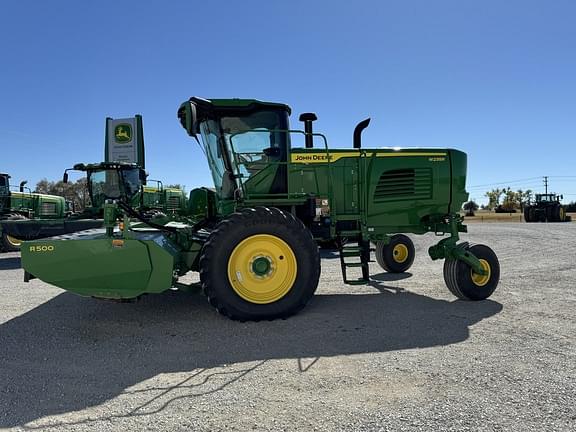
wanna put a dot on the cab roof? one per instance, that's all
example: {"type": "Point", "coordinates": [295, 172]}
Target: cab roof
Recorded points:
{"type": "Point", "coordinates": [241, 104]}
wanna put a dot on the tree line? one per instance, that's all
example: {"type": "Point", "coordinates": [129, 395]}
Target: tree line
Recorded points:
{"type": "Point", "coordinates": [76, 192]}
{"type": "Point", "coordinates": [512, 201]}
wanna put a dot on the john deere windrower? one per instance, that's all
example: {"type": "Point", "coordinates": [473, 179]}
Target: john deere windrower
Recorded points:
{"type": "Point", "coordinates": [253, 238]}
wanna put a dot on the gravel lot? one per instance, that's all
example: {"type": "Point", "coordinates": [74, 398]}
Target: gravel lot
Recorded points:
{"type": "Point", "coordinates": [398, 354]}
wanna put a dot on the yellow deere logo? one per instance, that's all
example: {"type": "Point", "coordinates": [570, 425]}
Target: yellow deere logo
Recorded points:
{"type": "Point", "coordinates": [123, 133]}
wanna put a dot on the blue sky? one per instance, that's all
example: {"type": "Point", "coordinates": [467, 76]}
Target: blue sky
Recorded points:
{"type": "Point", "coordinates": [496, 79]}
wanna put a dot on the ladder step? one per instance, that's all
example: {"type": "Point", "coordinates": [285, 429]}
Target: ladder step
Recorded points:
{"type": "Point", "coordinates": [351, 248]}
{"type": "Point", "coordinates": [353, 264]}
{"type": "Point", "coordinates": [356, 282]}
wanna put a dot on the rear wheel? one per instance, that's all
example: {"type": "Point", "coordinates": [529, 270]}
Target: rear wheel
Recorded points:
{"type": "Point", "coordinates": [464, 283]}
{"type": "Point", "coordinates": [559, 213]}
{"type": "Point", "coordinates": [551, 213]}
{"type": "Point", "coordinates": [260, 263]}
{"type": "Point", "coordinates": [397, 256]}
{"type": "Point", "coordinates": [527, 214]}
{"type": "Point", "coordinates": [542, 215]}
{"type": "Point", "coordinates": [9, 243]}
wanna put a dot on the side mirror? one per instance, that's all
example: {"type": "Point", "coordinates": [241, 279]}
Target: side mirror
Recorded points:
{"type": "Point", "coordinates": [65, 177]}
{"type": "Point", "coordinates": [188, 118]}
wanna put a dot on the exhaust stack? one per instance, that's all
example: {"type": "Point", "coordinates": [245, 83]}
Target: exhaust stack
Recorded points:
{"type": "Point", "coordinates": [358, 132]}
{"type": "Point", "coordinates": [308, 118]}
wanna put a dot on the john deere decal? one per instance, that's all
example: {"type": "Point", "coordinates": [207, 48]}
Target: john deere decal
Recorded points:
{"type": "Point", "coordinates": [123, 133]}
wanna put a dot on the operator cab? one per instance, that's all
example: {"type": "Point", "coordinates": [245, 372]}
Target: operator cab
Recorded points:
{"type": "Point", "coordinates": [245, 141]}
{"type": "Point", "coordinates": [4, 192]}
{"type": "Point", "coordinates": [111, 181]}
{"type": "Point", "coordinates": [548, 198]}
{"type": "Point", "coordinates": [4, 184]}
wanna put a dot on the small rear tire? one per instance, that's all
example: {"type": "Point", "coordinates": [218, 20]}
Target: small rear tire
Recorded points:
{"type": "Point", "coordinates": [397, 256]}
{"type": "Point", "coordinates": [467, 285]}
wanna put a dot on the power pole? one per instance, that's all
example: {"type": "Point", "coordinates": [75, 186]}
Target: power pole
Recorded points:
{"type": "Point", "coordinates": [546, 184]}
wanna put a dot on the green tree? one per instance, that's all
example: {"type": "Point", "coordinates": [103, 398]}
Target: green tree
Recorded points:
{"type": "Point", "coordinates": [494, 198]}
{"type": "Point", "coordinates": [470, 208]}
{"type": "Point", "coordinates": [176, 186]}
{"type": "Point", "coordinates": [75, 192]}
{"type": "Point", "coordinates": [511, 200]}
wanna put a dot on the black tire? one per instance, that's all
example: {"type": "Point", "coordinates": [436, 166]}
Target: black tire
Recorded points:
{"type": "Point", "coordinates": [542, 215]}
{"type": "Point", "coordinates": [551, 214]}
{"type": "Point", "coordinates": [559, 213]}
{"type": "Point", "coordinates": [527, 214]}
{"type": "Point", "coordinates": [389, 257]}
{"type": "Point", "coordinates": [220, 251]}
{"type": "Point", "coordinates": [532, 214]}
{"type": "Point", "coordinates": [459, 278]}
{"type": "Point", "coordinates": [8, 243]}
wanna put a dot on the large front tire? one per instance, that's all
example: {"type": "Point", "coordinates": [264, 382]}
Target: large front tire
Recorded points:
{"type": "Point", "coordinates": [259, 264]}
{"type": "Point", "coordinates": [397, 256]}
{"type": "Point", "coordinates": [464, 283]}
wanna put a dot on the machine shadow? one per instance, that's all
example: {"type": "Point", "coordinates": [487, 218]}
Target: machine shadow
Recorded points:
{"type": "Point", "coordinates": [10, 263]}
{"type": "Point", "coordinates": [71, 353]}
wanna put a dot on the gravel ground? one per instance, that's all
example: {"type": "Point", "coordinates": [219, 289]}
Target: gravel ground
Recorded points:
{"type": "Point", "coordinates": [399, 354]}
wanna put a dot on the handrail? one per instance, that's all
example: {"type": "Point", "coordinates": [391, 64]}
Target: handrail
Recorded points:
{"type": "Point", "coordinates": [288, 162]}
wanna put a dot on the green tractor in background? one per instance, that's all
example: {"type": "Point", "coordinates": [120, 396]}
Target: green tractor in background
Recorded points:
{"type": "Point", "coordinates": [546, 208]}
{"type": "Point", "coordinates": [253, 238]}
{"type": "Point", "coordinates": [23, 205]}
{"type": "Point", "coordinates": [29, 225]}
{"type": "Point", "coordinates": [163, 201]}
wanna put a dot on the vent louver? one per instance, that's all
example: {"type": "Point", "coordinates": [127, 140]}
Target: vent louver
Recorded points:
{"type": "Point", "coordinates": [403, 184]}
{"type": "Point", "coordinates": [48, 209]}
{"type": "Point", "coordinates": [173, 203]}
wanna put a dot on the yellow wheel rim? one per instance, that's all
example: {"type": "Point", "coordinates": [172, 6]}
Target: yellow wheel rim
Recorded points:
{"type": "Point", "coordinates": [14, 241]}
{"type": "Point", "coordinates": [562, 214]}
{"type": "Point", "coordinates": [481, 280]}
{"type": "Point", "coordinates": [262, 269]}
{"type": "Point", "coordinates": [400, 253]}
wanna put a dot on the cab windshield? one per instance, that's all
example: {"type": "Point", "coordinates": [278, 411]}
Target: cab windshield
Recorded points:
{"type": "Point", "coordinates": [242, 146]}
{"type": "Point", "coordinates": [3, 185]}
{"type": "Point", "coordinates": [114, 184]}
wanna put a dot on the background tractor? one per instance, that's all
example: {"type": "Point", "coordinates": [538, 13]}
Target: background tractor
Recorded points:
{"type": "Point", "coordinates": [20, 204]}
{"type": "Point", "coordinates": [23, 223]}
{"type": "Point", "coordinates": [253, 237]}
{"type": "Point", "coordinates": [546, 208]}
